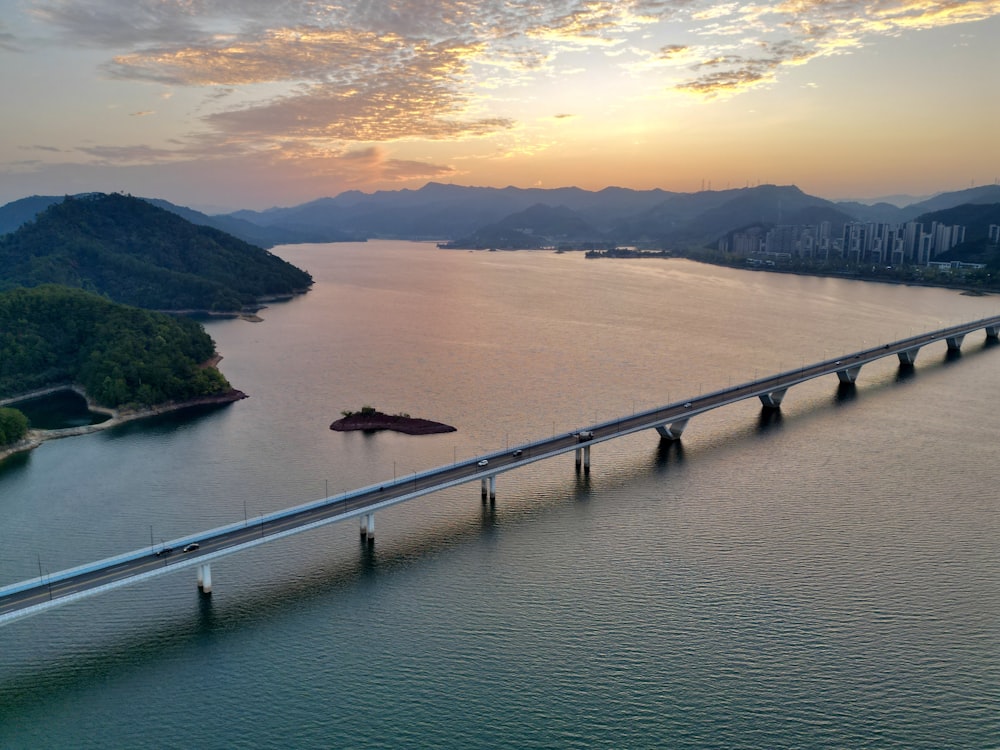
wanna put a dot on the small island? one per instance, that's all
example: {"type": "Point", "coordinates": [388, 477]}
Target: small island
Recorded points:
{"type": "Point", "coordinates": [370, 419]}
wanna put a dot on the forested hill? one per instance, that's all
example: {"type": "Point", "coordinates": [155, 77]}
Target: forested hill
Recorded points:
{"type": "Point", "coordinates": [138, 254]}
{"type": "Point", "coordinates": [122, 356]}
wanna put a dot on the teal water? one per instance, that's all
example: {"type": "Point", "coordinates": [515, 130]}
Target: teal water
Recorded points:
{"type": "Point", "coordinates": [822, 578]}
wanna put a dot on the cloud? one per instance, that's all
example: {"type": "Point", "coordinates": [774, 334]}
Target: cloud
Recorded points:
{"type": "Point", "coordinates": [117, 23]}
{"type": "Point", "coordinates": [793, 32]}
{"type": "Point", "coordinates": [365, 166]}
{"type": "Point", "coordinates": [141, 154]}
{"type": "Point", "coordinates": [307, 74]}
{"type": "Point", "coordinates": [377, 113]}
{"type": "Point", "coordinates": [38, 147]}
{"type": "Point", "coordinates": [8, 42]}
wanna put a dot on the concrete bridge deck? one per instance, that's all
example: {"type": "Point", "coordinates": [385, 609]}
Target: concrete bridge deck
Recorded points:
{"type": "Point", "coordinates": [39, 594]}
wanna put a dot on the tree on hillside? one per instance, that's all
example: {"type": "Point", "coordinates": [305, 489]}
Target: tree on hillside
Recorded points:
{"type": "Point", "coordinates": [13, 426]}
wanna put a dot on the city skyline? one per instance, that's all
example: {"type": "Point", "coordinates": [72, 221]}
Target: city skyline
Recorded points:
{"type": "Point", "coordinates": [225, 105]}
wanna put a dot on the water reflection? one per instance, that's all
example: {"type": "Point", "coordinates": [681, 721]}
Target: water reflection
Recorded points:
{"type": "Point", "coordinates": [14, 462]}
{"type": "Point", "coordinates": [665, 449]}
{"type": "Point", "coordinates": [769, 419]}
{"type": "Point", "coordinates": [58, 410]}
{"type": "Point", "coordinates": [846, 393]}
{"type": "Point", "coordinates": [206, 621]}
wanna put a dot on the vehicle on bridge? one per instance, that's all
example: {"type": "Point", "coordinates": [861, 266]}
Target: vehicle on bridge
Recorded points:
{"type": "Point", "coordinates": [584, 435]}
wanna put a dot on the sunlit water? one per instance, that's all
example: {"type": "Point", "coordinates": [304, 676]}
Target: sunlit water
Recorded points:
{"type": "Point", "coordinates": [828, 577]}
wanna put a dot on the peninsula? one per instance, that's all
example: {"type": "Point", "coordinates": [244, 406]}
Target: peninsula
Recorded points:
{"type": "Point", "coordinates": [125, 361]}
{"type": "Point", "coordinates": [370, 419]}
{"type": "Point", "coordinates": [33, 437]}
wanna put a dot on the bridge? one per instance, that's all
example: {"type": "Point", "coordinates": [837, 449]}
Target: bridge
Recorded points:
{"type": "Point", "coordinates": [198, 550]}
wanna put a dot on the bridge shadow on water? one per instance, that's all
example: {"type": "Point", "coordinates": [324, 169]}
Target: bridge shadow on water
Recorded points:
{"type": "Point", "coordinates": [55, 670]}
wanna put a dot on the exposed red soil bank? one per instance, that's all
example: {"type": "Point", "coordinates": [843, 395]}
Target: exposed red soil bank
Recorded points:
{"type": "Point", "coordinates": [379, 421]}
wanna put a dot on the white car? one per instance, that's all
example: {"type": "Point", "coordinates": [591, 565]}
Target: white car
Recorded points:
{"type": "Point", "coordinates": [484, 462]}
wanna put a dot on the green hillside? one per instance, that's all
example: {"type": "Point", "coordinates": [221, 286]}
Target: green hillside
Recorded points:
{"type": "Point", "coordinates": [122, 356]}
{"type": "Point", "coordinates": [138, 254]}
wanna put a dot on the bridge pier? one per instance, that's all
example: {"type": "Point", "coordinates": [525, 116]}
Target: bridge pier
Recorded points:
{"type": "Point", "coordinates": [673, 432]}
{"type": "Point", "coordinates": [909, 356]}
{"type": "Point", "coordinates": [205, 578]}
{"type": "Point", "coordinates": [955, 342]}
{"type": "Point", "coordinates": [849, 375]}
{"type": "Point", "coordinates": [993, 332]}
{"type": "Point", "coordinates": [586, 460]}
{"type": "Point", "coordinates": [491, 484]}
{"type": "Point", "coordinates": [773, 399]}
{"type": "Point", "coordinates": [368, 526]}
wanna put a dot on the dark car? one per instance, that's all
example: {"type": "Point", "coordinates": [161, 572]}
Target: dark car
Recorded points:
{"type": "Point", "coordinates": [164, 551]}
{"type": "Point", "coordinates": [192, 547]}
{"type": "Point", "coordinates": [518, 452]}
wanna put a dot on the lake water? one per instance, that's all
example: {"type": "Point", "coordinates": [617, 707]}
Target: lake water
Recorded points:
{"type": "Point", "coordinates": [824, 577]}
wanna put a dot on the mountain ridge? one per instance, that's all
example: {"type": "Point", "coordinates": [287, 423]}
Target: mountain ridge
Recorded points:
{"type": "Point", "coordinates": [483, 216]}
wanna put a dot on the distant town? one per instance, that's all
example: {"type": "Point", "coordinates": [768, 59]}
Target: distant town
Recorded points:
{"type": "Point", "coordinates": [882, 243]}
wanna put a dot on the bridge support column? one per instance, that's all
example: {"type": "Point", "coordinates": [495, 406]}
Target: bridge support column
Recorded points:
{"type": "Point", "coordinates": [483, 488]}
{"type": "Point", "coordinates": [849, 375]}
{"type": "Point", "coordinates": [909, 356]}
{"type": "Point", "coordinates": [371, 526]}
{"type": "Point", "coordinates": [205, 578]}
{"type": "Point", "coordinates": [493, 488]}
{"type": "Point", "coordinates": [955, 342]}
{"type": "Point", "coordinates": [578, 458]}
{"type": "Point", "coordinates": [993, 332]}
{"type": "Point", "coordinates": [673, 432]}
{"type": "Point", "coordinates": [586, 460]}
{"type": "Point", "coordinates": [773, 399]}
{"type": "Point", "coordinates": [364, 525]}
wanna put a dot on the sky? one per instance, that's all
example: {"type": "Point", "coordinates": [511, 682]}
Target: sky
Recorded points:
{"type": "Point", "coordinates": [227, 104]}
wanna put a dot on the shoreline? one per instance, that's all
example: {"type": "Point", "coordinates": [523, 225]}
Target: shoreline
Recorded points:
{"type": "Point", "coordinates": [36, 437]}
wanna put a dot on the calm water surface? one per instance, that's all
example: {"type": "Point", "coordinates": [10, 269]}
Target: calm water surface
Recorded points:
{"type": "Point", "coordinates": [827, 577]}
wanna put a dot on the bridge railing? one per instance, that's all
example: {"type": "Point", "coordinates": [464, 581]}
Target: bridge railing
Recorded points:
{"type": "Point", "coordinates": [782, 379]}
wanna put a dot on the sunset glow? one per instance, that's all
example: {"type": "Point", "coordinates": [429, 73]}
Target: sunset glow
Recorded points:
{"type": "Point", "coordinates": [249, 104]}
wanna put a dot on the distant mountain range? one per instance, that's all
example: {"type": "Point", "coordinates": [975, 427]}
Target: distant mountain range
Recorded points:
{"type": "Point", "coordinates": [527, 218]}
